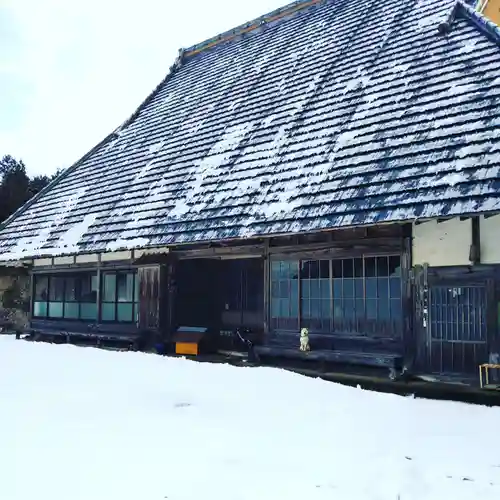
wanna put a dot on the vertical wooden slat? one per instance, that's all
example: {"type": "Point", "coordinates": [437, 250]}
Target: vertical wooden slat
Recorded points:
{"type": "Point", "coordinates": [267, 288]}
{"type": "Point", "coordinates": [99, 286]}
{"type": "Point", "coordinates": [149, 307]}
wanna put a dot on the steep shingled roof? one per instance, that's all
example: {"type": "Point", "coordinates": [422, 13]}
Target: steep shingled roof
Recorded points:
{"type": "Point", "coordinates": [341, 113]}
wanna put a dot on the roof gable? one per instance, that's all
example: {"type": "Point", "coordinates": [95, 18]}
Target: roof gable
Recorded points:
{"type": "Point", "coordinates": [348, 112]}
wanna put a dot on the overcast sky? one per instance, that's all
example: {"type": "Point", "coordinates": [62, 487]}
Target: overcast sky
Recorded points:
{"type": "Point", "coordinates": [71, 70]}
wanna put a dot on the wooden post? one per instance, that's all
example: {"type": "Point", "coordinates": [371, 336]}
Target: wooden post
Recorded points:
{"type": "Point", "coordinates": [267, 286]}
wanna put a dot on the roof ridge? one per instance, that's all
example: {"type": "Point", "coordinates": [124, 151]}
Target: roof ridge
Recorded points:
{"type": "Point", "coordinates": [465, 9]}
{"type": "Point", "coordinates": [272, 16]}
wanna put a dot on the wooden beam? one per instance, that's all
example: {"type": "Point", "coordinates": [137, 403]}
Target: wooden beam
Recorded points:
{"type": "Point", "coordinates": [475, 248]}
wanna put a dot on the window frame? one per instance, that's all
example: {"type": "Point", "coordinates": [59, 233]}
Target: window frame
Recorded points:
{"type": "Point", "coordinates": [386, 307]}
{"type": "Point", "coordinates": [79, 278]}
{"type": "Point", "coordinates": [134, 302]}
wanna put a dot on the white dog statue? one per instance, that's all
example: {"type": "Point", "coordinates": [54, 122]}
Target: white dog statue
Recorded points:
{"type": "Point", "coordinates": [304, 340]}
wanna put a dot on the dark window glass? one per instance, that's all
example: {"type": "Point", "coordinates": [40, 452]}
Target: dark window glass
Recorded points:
{"type": "Point", "coordinates": [56, 290]}
{"type": "Point", "coordinates": [394, 266]}
{"type": "Point", "coordinates": [337, 269]}
{"type": "Point", "coordinates": [382, 266]}
{"type": "Point", "coordinates": [41, 288]}
{"type": "Point", "coordinates": [358, 268]}
{"type": "Point", "coordinates": [324, 269]}
{"type": "Point", "coordinates": [66, 296]}
{"type": "Point", "coordinates": [348, 268]}
{"type": "Point", "coordinates": [370, 267]}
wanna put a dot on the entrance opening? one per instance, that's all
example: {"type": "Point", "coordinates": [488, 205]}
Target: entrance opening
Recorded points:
{"type": "Point", "coordinates": [222, 296]}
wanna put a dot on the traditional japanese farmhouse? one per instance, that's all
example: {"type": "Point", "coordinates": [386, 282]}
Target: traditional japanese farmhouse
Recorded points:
{"type": "Point", "coordinates": [333, 165]}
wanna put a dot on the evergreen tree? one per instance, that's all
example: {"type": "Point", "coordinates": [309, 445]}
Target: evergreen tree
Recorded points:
{"type": "Point", "coordinates": [16, 188]}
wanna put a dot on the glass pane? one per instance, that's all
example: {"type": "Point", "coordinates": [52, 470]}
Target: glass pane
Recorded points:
{"type": "Point", "coordinates": [283, 269]}
{"type": "Point", "coordinates": [370, 267]}
{"type": "Point", "coordinates": [324, 269]}
{"type": "Point", "coordinates": [125, 287]}
{"type": "Point", "coordinates": [71, 310]}
{"type": "Point", "coordinates": [70, 290]}
{"type": "Point", "coordinates": [275, 308]}
{"type": "Point", "coordinates": [349, 310]}
{"type": "Point", "coordinates": [337, 309]}
{"type": "Point", "coordinates": [326, 309]}
{"type": "Point", "coordinates": [275, 289]}
{"type": "Point", "coordinates": [55, 309]}
{"type": "Point", "coordinates": [348, 268]}
{"type": "Point", "coordinates": [336, 268]}
{"type": "Point", "coordinates": [40, 309]}
{"type": "Point", "coordinates": [41, 287]}
{"type": "Point", "coordinates": [306, 308]}
{"type": "Point", "coordinates": [382, 266]}
{"type": "Point", "coordinates": [293, 269]}
{"type": "Point", "coordinates": [371, 288]}
{"type": "Point", "coordinates": [360, 308]}
{"type": "Point", "coordinates": [315, 308]}
{"type": "Point", "coordinates": [314, 269]}
{"type": "Point", "coordinates": [88, 311]}
{"type": "Point", "coordinates": [88, 291]}
{"type": "Point", "coordinates": [108, 312]}
{"type": "Point", "coordinates": [325, 289]}
{"type": "Point", "coordinates": [284, 308]}
{"type": "Point", "coordinates": [56, 289]}
{"type": "Point", "coordinates": [294, 291]}
{"type": "Point", "coordinates": [371, 309]}
{"type": "Point", "coordinates": [305, 288]}
{"type": "Point", "coordinates": [358, 268]}
{"type": "Point", "coordinates": [395, 284]}
{"type": "Point", "coordinates": [348, 288]}
{"type": "Point", "coordinates": [383, 309]}
{"type": "Point", "coordinates": [396, 309]}
{"type": "Point", "coordinates": [383, 288]}
{"type": "Point", "coordinates": [125, 312]}
{"type": "Point", "coordinates": [275, 269]}
{"type": "Point", "coordinates": [294, 308]}
{"type": "Point", "coordinates": [315, 289]}
{"type": "Point", "coordinates": [109, 288]}
{"type": "Point", "coordinates": [395, 265]}
{"type": "Point", "coordinates": [284, 289]}
{"type": "Point", "coordinates": [337, 288]}
{"type": "Point", "coordinates": [359, 287]}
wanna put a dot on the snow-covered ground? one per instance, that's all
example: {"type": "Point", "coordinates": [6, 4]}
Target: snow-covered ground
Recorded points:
{"type": "Point", "coordinates": [80, 423]}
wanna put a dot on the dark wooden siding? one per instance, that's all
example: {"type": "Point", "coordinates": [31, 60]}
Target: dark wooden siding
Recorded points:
{"type": "Point", "coordinates": [149, 297]}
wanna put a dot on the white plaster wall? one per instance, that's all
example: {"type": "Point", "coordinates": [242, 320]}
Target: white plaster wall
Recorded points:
{"type": "Point", "coordinates": [490, 239]}
{"type": "Point", "coordinates": [442, 244]}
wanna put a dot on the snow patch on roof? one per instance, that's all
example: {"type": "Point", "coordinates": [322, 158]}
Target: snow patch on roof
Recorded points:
{"type": "Point", "coordinates": [453, 178]}
{"type": "Point", "coordinates": [219, 154]}
{"type": "Point", "coordinates": [68, 242]}
{"type": "Point", "coordinates": [345, 138]}
{"type": "Point", "coordinates": [127, 244]}
{"type": "Point", "coordinates": [467, 47]}
{"type": "Point", "coordinates": [154, 148]}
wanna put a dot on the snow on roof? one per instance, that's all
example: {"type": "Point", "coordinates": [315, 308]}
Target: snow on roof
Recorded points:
{"type": "Point", "coordinates": [332, 113]}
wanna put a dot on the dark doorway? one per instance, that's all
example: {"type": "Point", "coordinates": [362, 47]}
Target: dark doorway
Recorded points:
{"type": "Point", "coordinates": [220, 294]}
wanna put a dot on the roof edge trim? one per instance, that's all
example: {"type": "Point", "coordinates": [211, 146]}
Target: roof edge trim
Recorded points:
{"type": "Point", "coordinates": [106, 140]}
{"type": "Point", "coordinates": [468, 12]}
{"type": "Point", "coordinates": [275, 15]}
